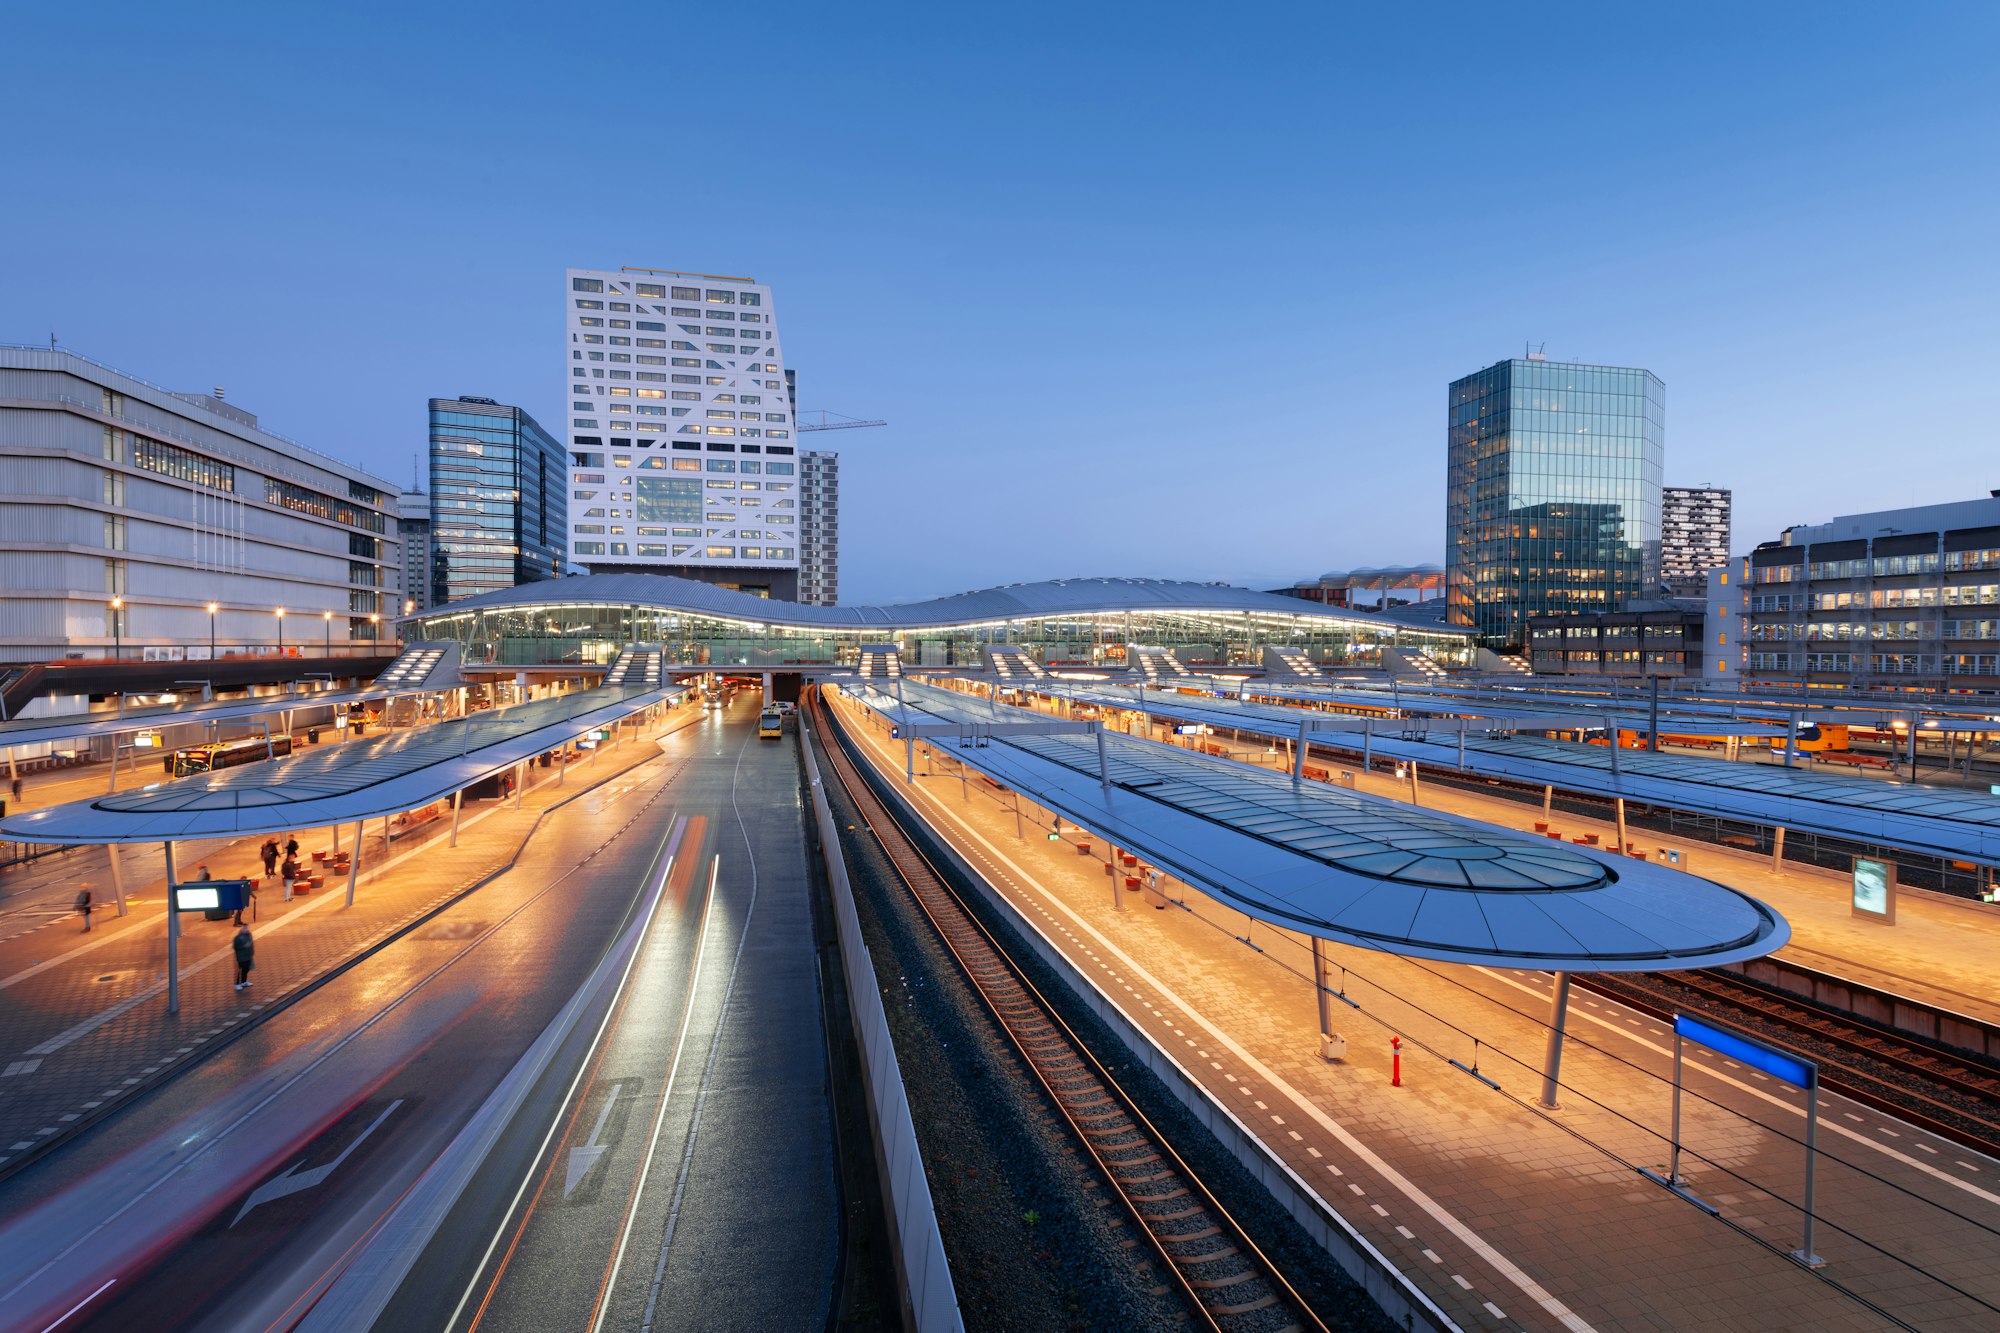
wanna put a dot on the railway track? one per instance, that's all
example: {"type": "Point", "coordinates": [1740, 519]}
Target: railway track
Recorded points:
{"type": "Point", "coordinates": [1228, 1283]}
{"type": "Point", "coordinates": [1954, 1096]}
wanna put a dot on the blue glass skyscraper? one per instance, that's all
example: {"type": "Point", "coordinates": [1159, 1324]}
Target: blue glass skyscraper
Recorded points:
{"type": "Point", "coordinates": [1552, 499]}
{"type": "Point", "coordinates": [499, 499]}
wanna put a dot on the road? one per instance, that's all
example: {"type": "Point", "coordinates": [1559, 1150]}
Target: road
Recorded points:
{"type": "Point", "coordinates": [239, 1194]}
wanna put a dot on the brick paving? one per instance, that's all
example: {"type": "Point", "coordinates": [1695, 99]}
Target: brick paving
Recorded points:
{"type": "Point", "coordinates": [1489, 1203]}
{"type": "Point", "coordinates": [83, 1017]}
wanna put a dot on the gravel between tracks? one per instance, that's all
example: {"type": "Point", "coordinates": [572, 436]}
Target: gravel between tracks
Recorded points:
{"type": "Point", "coordinates": [997, 1156]}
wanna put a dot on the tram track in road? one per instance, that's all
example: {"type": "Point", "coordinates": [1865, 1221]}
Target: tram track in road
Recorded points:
{"type": "Point", "coordinates": [1953, 1095]}
{"type": "Point", "coordinates": [145, 1246]}
{"type": "Point", "coordinates": [1227, 1283]}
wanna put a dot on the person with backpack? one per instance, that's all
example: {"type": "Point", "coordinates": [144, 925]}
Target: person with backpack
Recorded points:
{"type": "Point", "coordinates": [246, 956]}
{"type": "Point", "coordinates": [269, 851]}
{"type": "Point", "coordinates": [83, 904]}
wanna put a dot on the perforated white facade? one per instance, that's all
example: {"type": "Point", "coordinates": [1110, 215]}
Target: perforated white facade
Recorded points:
{"type": "Point", "coordinates": [683, 451]}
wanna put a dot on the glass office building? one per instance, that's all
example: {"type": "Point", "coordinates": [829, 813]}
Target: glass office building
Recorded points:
{"type": "Point", "coordinates": [1552, 500]}
{"type": "Point", "coordinates": [499, 506]}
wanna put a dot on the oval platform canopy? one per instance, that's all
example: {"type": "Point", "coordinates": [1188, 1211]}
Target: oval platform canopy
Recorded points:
{"type": "Point", "coordinates": [1361, 869]}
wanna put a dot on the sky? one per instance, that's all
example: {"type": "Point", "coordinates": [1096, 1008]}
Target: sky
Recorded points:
{"type": "Point", "coordinates": [1169, 290]}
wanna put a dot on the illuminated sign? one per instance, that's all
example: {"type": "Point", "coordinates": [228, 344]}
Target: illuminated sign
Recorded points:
{"type": "Point", "coordinates": [212, 895]}
{"type": "Point", "coordinates": [1874, 889]}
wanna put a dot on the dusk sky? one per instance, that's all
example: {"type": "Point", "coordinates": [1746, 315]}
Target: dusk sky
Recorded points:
{"type": "Point", "coordinates": [1163, 290]}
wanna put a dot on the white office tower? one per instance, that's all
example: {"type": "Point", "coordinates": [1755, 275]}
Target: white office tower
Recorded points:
{"type": "Point", "coordinates": [681, 439]}
{"type": "Point", "coordinates": [819, 528]}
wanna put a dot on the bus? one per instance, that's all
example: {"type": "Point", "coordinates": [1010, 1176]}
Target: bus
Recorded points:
{"type": "Point", "coordinates": [228, 754]}
{"type": "Point", "coordinates": [770, 725]}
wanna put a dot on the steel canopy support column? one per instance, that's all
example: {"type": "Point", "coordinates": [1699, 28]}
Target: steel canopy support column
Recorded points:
{"type": "Point", "coordinates": [1299, 758]}
{"type": "Point", "coordinates": [1620, 807]}
{"type": "Point", "coordinates": [1548, 797]}
{"type": "Point", "coordinates": [1103, 760]}
{"type": "Point", "coordinates": [173, 938]}
{"type": "Point", "coordinates": [1791, 736]}
{"type": "Point", "coordinates": [1778, 850]}
{"type": "Point", "coordinates": [1552, 1059]}
{"type": "Point", "coordinates": [457, 804]}
{"type": "Point", "coordinates": [1414, 794]}
{"type": "Point", "coordinates": [1326, 1035]}
{"type": "Point", "coordinates": [117, 875]}
{"type": "Point", "coordinates": [354, 864]}
{"type": "Point", "coordinates": [1914, 719]}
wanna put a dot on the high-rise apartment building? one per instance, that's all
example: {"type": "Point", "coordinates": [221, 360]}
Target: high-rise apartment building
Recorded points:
{"type": "Point", "coordinates": [1902, 599]}
{"type": "Point", "coordinates": [819, 528]}
{"type": "Point", "coordinates": [499, 499]}
{"type": "Point", "coordinates": [1552, 499]}
{"type": "Point", "coordinates": [1694, 537]}
{"type": "Point", "coordinates": [413, 523]}
{"type": "Point", "coordinates": [682, 445]}
{"type": "Point", "coordinates": [143, 523]}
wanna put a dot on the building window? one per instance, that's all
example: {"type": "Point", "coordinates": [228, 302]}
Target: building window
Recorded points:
{"type": "Point", "coordinates": [182, 465]}
{"type": "Point", "coordinates": [721, 298]}
{"type": "Point", "coordinates": [586, 285]}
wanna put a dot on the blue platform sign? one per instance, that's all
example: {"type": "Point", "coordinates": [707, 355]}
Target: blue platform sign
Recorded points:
{"type": "Point", "coordinates": [1799, 1073]}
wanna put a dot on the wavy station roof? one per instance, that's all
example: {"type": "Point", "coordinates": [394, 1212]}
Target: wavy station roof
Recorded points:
{"type": "Point", "coordinates": [1953, 822]}
{"type": "Point", "coordinates": [1017, 601]}
{"type": "Point", "coordinates": [360, 779]}
{"type": "Point", "coordinates": [1360, 869]}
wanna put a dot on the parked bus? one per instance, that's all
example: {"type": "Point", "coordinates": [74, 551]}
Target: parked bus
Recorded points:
{"type": "Point", "coordinates": [228, 754]}
{"type": "Point", "coordinates": [770, 725]}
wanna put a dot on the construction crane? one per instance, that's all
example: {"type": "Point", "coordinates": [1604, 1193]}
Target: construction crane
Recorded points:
{"type": "Point", "coordinates": [843, 423]}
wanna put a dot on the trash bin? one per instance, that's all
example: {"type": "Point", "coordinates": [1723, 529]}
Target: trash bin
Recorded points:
{"type": "Point", "coordinates": [312, 735]}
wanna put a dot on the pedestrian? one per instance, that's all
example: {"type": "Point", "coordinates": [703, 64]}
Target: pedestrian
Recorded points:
{"type": "Point", "coordinates": [269, 852]}
{"type": "Point", "coordinates": [83, 902]}
{"type": "Point", "coordinates": [246, 956]}
{"type": "Point", "coordinates": [250, 901]}
{"type": "Point", "coordinates": [291, 847]}
{"type": "Point", "coordinates": [15, 787]}
{"type": "Point", "coordinates": [204, 875]}
{"type": "Point", "coordinates": [290, 872]}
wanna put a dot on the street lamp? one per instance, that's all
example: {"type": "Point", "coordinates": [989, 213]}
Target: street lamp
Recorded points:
{"type": "Point", "coordinates": [327, 616]}
{"type": "Point", "coordinates": [118, 628]}
{"type": "Point", "coordinates": [375, 634]}
{"type": "Point", "coordinates": [281, 631]}
{"type": "Point", "coordinates": [211, 631]}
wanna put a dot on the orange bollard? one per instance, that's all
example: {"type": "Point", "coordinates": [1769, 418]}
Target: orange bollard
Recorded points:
{"type": "Point", "coordinates": [1395, 1062]}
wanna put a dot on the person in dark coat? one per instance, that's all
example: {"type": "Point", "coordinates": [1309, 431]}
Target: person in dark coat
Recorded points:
{"type": "Point", "coordinates": [83, 904]}
{"type": "Point", "coordinates": [246, 956]}
{"type": "Point", "coordinates": [269, 852]}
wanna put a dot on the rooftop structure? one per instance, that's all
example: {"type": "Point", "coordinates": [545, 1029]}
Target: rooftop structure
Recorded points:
{"type": "Point", "coordinates": [1360, 869]}
{"type": "Point", "coordinates": [1076, 622]}
{"type": "Point", "coordinates": [1339, 587]}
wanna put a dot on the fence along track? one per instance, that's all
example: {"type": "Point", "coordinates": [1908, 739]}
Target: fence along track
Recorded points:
{"type": "Point", "coordinates": [1227, 1281]}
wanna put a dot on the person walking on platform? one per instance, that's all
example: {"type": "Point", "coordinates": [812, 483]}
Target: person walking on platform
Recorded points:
{"type": "Point", "coordinates": [249, 900]}
{"type": "Point", "coordinates": [246, 956]}
{"type": "Point", "coordinates": [269, 852]}
{"type": "Point", "coordinates": [290, 872]}
{"type": "Point", "coordinates": [291, 847]}
{"type": "Point", "coordinates": [83, 902]}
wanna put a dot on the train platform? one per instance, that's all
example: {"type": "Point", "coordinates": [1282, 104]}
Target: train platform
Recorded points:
{"type": "Point", "coordinates": [1509, 1216]}
{"type": "Point", "coordinates": [83, 1016]}
{"type": "Point", "coordinates": [1938, 950]}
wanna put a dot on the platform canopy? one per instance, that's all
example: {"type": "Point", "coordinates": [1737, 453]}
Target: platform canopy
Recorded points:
{"type": "Point", "coordinates": [1355, 868]}
{"type": "Point", "coordinates": [361, 779]}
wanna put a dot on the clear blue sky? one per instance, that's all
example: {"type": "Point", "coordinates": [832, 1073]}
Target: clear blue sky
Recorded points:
{"type": "Point", "coordinates": [1164, 289]}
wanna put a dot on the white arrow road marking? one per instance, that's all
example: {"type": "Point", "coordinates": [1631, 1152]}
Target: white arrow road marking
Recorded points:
{"type": "Point", "coordinates": [291, 1180]}
{"type": "Point", "coordinates": [582, 1159]}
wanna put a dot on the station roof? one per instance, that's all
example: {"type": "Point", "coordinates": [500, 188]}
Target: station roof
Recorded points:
{"type": "Point", "coordinates": [1359, 869]}
{"type": "Point", "coordinates": [421, 668]}
{"type": "Point", "coordinates": [1525, 711]}
{"type": "Point", "coordinates": [361, 779]}
{"type": "Point", "coordinates": [1017, 601]}
{"type": "Point", "coordinates": [1955, 823]}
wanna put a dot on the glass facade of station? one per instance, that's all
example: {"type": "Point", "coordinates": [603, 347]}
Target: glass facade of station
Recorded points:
{"type": "Point", "coordinates": [531, 635]}
{"type": "Point", "coordinates": [1552, 498]}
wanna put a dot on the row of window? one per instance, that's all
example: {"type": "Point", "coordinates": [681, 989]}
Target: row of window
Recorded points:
{"type": "Point", "coordinates": [668, 551]}
{"type": "Point", "coordinates": [714, 295]}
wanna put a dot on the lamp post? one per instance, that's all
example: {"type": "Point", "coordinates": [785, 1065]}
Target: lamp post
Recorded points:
{"type": "Point", "coordinates": [375, 632]}
{"type": "Point", "coordinates": [281, 631]}
{"type": "Point", "coordinates": [211, 631]}
{"type": "Point", "coordinates": [327, 616]}
{"type": "Point", "coordinates": [118, 628]}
